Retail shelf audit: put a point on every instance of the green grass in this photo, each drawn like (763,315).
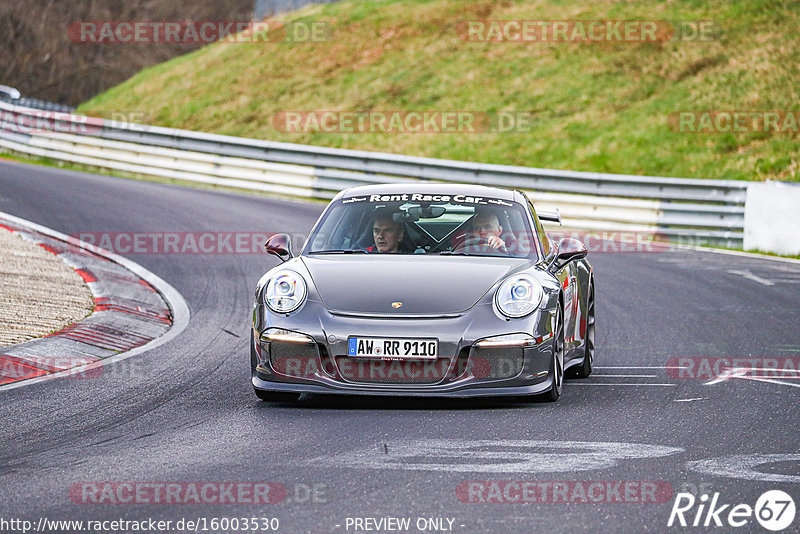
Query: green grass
(597,106)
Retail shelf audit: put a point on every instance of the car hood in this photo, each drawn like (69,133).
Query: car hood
(425,285)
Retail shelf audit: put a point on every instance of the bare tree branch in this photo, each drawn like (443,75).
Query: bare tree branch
(40,60)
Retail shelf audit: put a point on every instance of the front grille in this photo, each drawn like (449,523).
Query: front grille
(373,371)
(496,363)
(297,360)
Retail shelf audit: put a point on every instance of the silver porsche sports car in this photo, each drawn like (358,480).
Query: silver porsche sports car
(424,289)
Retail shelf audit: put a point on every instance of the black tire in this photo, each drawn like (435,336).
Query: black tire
(557,364)
(276,396)
(585,369)
(253,355)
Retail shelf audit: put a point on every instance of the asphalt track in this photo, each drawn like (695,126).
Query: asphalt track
(185,411)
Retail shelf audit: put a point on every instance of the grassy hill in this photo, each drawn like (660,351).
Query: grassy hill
(596,106)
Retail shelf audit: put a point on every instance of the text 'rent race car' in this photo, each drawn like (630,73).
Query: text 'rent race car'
(424,289)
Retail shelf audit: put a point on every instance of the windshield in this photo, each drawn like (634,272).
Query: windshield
(424,224)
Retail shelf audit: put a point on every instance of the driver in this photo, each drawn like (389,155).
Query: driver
(386,233)
(486,226)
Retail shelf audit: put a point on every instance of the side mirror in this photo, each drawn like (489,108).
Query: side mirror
(279,245)
(569,249)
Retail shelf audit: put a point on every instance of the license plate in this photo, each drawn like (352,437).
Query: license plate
(390,347)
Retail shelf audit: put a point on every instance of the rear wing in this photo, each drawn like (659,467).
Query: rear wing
(550,215)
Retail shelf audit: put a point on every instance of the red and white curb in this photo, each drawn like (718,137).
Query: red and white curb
(135,311)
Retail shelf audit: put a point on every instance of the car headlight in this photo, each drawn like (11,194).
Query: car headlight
(518,296)
(508,340)
(285,291)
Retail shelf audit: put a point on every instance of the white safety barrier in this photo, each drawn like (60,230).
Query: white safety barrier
(772,218)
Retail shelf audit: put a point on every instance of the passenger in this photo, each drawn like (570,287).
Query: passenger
(386,233)
(486,226)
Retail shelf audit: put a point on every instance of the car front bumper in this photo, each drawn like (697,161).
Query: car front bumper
(321,365)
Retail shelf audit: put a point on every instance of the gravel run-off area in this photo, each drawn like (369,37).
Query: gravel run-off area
(39,293)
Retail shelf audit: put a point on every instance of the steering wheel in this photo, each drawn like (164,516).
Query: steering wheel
(480,244)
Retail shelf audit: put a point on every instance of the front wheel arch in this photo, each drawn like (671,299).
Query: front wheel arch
(587,365)
(557,362)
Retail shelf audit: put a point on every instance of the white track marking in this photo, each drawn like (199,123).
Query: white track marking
(494,456)
(740,373)
(633,367)
(652,367)
(689,400)
(764,370)
(727,374)
(743,466)
(753,255)
(175,301)
(627,376)
(770,380)
(644,384)
(751,276)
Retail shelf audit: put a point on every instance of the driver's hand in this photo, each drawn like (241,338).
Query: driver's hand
(496,243)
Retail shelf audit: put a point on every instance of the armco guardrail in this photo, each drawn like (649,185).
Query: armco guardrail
(35,103)
(700,211)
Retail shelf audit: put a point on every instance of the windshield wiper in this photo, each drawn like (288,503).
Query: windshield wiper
(340,251)
(473,254)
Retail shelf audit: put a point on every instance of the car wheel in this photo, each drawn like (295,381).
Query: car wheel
(276,396)
(585,369)
(557,366)
(253,355)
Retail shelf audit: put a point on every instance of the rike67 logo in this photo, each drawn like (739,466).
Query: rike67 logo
(774,510)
